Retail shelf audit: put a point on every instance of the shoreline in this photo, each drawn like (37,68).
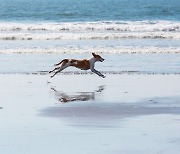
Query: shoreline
(72,73)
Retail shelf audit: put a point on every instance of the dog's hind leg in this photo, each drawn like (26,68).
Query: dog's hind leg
(55,73)
(54,69)
(63,66)
(64,61)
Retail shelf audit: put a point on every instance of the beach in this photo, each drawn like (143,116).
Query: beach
(137,114)
(134,110)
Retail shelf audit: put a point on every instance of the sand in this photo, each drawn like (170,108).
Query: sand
(85,114)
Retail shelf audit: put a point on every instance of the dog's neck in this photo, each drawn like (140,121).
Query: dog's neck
(92,61)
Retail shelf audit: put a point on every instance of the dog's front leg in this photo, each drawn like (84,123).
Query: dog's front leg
(97,72)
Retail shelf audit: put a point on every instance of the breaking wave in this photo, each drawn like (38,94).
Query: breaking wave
(99,49)
(90,30)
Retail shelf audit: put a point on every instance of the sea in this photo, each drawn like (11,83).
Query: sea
(134,36)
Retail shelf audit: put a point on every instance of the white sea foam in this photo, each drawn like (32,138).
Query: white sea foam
(98,49)
(90,30)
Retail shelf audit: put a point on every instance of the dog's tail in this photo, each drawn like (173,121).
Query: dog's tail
(64,60)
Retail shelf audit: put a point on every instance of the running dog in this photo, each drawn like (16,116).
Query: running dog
(84,64)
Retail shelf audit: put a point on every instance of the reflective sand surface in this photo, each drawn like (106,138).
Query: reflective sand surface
(118,114)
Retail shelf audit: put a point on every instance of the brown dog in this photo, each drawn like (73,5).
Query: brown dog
(84,64)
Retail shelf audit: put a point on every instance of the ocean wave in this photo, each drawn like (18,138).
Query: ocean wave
(90,30)
(136,26)
(99,49)
(89,36)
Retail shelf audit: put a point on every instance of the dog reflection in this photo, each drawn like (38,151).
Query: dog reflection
(78,96)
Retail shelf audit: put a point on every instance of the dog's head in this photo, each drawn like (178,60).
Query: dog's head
(98,57)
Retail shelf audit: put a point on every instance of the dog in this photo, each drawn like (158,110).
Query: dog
(84,64)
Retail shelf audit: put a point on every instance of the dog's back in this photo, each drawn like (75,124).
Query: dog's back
(82,64)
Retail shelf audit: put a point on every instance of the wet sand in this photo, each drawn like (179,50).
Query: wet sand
(87,114)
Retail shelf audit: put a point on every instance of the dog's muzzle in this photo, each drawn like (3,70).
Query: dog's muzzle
(101,60)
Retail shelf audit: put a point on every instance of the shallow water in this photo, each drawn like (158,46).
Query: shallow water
(113,64)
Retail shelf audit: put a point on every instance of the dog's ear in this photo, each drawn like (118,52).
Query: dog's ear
(94,54)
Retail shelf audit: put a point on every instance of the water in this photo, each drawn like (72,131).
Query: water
(113,64)
(102,30)
(88,10)
(80,27)
(89,19)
